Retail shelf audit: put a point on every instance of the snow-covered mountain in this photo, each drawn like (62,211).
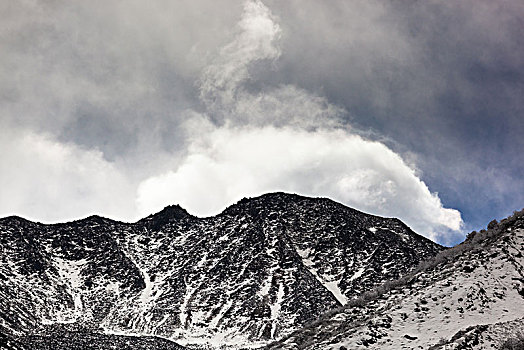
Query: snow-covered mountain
(468,297)
(260,270)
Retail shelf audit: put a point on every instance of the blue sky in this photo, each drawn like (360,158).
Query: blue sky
(405,109)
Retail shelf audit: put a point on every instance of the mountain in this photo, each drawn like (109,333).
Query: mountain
(467,297)
(258,271)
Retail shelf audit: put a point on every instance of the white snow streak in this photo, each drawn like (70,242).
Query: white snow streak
(335,290)
(357,274)
(69,271)
(275,309)
(218,317)
(184,306)
(145,296)
(326,281)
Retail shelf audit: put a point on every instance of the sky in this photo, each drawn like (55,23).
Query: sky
(408,109)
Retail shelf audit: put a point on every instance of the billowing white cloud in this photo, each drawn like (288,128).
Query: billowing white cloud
(114,134)
(284,139)
(50,181)
(229,163)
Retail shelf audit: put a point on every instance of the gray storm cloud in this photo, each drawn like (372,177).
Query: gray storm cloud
(104,104)
(46,180)
(255,40)
(293,142)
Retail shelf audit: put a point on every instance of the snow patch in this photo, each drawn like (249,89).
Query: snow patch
(184,312)
(69,271)
(329,282)
(275,309)
(218,317)
(357,274)
(266,286)
(145,296)
(335,290)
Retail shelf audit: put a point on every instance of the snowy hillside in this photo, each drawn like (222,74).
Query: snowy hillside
(263,268)
(468,297)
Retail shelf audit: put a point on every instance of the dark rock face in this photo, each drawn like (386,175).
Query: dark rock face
(259,270)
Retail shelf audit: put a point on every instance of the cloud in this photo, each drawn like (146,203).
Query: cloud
(113,76)
(141,93)
(284,139)
(254,41)
(442,79)
(50,181)
(229,163)
(223,84)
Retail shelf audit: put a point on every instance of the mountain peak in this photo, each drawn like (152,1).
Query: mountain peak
(170,213)
(278,201)
(175,211)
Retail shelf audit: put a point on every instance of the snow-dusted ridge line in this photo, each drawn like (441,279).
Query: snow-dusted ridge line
(236,278)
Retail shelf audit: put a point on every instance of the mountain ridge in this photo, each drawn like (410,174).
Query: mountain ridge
(177,208)
(258,270)
(468,297)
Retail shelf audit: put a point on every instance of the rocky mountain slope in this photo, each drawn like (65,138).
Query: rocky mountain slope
(468,297)
(263,268)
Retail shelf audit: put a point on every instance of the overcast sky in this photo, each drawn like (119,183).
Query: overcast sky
(411,109)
